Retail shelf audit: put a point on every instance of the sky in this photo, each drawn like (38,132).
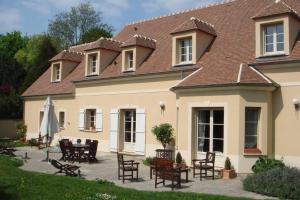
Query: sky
(32,16)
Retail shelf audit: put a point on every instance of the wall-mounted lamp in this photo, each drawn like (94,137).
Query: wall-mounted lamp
(296,103)
(162,105)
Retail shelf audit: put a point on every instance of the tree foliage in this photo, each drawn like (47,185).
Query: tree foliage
(163,133)
(70,27)
(94,34)
(35,56)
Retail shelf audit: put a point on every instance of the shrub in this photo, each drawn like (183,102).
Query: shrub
(163,133)
(280,182)
(178,158)
(148,161)
(21,130)
(227,165)
(264,164)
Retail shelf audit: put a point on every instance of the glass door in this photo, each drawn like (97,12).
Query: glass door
(129,130)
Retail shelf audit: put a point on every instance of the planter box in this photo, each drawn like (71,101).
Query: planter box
(228,174)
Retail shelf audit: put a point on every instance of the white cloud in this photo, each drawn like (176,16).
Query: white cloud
(9,19)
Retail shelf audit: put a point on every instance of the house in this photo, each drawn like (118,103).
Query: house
(226,76)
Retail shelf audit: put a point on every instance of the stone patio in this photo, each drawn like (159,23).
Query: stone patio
(106,169)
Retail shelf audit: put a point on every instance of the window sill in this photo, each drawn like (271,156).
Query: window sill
(271,55)
(252,152)
(183,64)
(90,75)
(57,81)
(128,71)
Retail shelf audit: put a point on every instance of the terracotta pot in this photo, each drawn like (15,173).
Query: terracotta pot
(228,174)
(23,139)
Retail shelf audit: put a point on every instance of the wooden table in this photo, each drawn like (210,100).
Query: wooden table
(186,171)
(80,148)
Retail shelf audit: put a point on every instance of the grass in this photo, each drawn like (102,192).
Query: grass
(19,184)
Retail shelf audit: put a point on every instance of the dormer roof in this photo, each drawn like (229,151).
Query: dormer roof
(68,55)
(278,7)
(139,40)
(195,24)
(104,43)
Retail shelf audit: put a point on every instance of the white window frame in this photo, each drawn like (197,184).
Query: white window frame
(211,134)
(91,119)
(188,48)
(56,72)
(93,63)
(129,61)
(274,35)
(64,120)
(132,131)
(257,126)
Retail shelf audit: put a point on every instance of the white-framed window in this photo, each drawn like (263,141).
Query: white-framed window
(252,115)
(274,39)
(210,130)
(129,126)
(129,60)
(61,119)
(185,50)
(92,64)
(56,76)
(90,115)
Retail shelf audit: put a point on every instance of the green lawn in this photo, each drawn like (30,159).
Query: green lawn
(18,184)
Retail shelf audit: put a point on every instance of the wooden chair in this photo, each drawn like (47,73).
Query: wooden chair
(65,168)
(165,170)
(92,151)
(204,165)
(65,152)
(127,166)
(166,154)
(88,141)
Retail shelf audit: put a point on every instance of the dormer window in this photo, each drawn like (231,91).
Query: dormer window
(92,63)
(186,52)
(274,39)
(56,72)
(129,60)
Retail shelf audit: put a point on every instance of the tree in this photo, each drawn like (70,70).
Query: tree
(94,34)
(35,56)
(69,27)
(163,133)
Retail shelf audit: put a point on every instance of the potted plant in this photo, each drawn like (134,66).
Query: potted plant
(179,161)
(163,133)
(228,171)
(78,141)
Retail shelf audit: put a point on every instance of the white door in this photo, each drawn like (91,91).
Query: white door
(210,131)
(129,127)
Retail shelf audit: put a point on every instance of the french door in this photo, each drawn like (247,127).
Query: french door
(210,130)
(129,130)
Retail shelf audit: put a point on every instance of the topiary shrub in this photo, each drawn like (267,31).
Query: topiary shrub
(148,161)
(163,133)
(278,182)
(264,164)
(227,165)
(178,158)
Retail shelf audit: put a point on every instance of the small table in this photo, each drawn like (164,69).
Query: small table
(186,171)
(80,148)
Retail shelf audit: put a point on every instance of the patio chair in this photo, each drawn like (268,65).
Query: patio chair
(162,154)
(205,165)
(64,150)
(92,151)
(165,170)
(127,166)
(69,170)
(73,155)
(88,141)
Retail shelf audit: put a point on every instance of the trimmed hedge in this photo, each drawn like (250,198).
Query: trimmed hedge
(264,164)
(278,182)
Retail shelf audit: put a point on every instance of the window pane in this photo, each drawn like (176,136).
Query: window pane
(203,116)
(280,38)
(269,30)
(218,116)
(203,145)
(269,39)
(203,130)
(182,44)
(127,136)
(218,145)
(183,50)
(219,131)
(190,57)
(183,58)
(252,114)
(279,28)
(128,126)
(269,48)
(251,128)
(250,142)
(280,46)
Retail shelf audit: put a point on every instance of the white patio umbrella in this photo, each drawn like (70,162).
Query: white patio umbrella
(49,124)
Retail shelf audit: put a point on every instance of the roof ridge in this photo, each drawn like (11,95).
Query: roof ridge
(181,12)
(144,37)
(101,38)
(74,52)
(202,21)
(109,39)
(289,7)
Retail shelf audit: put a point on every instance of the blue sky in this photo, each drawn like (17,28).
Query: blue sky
(32,16)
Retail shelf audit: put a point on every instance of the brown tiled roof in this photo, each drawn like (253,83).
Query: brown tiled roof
(104,43)
(139,40)
(233,45)
(195,24)
(275,8)
(68,55)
